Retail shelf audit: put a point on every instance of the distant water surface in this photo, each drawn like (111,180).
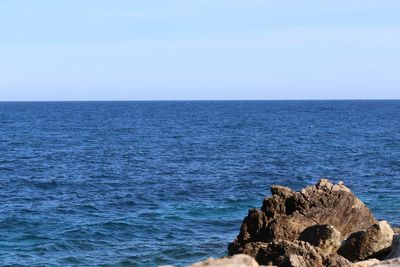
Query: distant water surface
(149,183)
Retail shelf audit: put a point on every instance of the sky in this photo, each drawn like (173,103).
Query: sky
(199,50)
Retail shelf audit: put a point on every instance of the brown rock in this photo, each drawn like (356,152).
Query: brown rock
(373,242)
(283,201)
(254,226)
(336,206)
(256,250)
(291,253)
(286,214)
(335,260)
(324,236)
(287,227)
(323,203)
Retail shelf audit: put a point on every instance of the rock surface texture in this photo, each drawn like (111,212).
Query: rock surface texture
(324,236)
(322,225)
(372,242)
(239,260)
(388,263)
(366,263)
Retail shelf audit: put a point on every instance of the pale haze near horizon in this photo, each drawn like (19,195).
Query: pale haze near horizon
(199,50)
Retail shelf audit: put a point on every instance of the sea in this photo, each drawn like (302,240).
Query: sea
(169,182)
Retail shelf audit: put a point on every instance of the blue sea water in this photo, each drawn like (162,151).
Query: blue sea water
(150,183)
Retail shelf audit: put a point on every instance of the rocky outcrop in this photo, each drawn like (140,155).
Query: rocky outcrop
(307,228)
(286,214)
(239,260)
(322,225)
(323,203)
(372,242)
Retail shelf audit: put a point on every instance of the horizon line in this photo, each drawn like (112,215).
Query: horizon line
(205,100)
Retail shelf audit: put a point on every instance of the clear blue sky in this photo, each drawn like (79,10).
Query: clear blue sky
(204,49)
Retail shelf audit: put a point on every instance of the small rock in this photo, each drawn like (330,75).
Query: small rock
(366,243)
(366,263)
(254,226)
(388,263)
(324,183)
(293,254)
(239,260)
(324,236)
(281,191)
(287,227)
(253,249)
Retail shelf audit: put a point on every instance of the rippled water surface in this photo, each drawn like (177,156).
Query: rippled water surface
(148,183)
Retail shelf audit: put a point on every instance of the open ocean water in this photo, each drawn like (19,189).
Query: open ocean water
(149,183)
